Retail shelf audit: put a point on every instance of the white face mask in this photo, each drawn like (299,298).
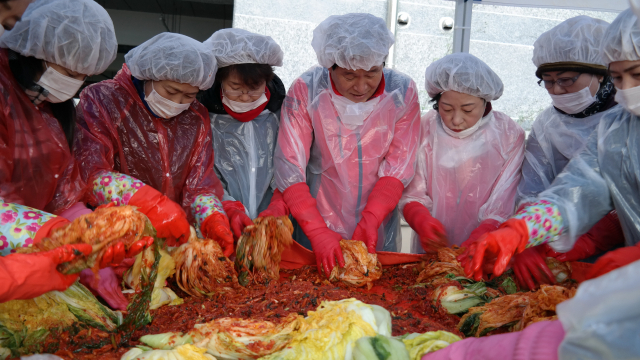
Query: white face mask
(629,99)
(162,107)
(240,107)
(1,30)
(467,132)
(574,103)
(60,87)
(353,114)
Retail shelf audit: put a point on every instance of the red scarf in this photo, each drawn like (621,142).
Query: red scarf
(251,114)
(378,92)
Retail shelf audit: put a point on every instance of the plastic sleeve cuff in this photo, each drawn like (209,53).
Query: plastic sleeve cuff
(19,225)
(205,205)
(543,220)
(114,187)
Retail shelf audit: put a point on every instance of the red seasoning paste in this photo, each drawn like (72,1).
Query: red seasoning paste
(297,291)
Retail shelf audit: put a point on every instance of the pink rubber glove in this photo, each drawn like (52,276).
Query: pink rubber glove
(324,241)
(431,232)
(277,206)
(383,199)
(539,341)
(106,286)
(76,210)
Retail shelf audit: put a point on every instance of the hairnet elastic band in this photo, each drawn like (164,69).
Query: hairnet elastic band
(572,66)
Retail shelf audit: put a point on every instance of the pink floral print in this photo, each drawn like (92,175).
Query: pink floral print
(543,220)
(19,225)
(114,187)
(203,206)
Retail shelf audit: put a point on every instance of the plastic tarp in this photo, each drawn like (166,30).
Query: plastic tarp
(297,256)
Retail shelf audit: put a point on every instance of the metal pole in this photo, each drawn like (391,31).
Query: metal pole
(392,14)
(462,26)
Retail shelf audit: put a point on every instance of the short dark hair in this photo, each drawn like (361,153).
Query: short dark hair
(251,75)
(336,65)
(436,100)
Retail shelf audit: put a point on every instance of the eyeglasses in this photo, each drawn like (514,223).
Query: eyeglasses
(240,93)
(563,82)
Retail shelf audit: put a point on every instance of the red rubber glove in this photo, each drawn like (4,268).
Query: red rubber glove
(485,226)
(238,219)
(383,199)
(26,276)
(166,216)
(216,227)
(277,206)
(530,268)
(431,232)
(604,235)
(510,239)
(324,241)
(613,260)
(115,254)
(47,227)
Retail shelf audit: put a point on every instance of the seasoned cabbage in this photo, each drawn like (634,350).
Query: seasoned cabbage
(182,352)
(331,331)
(380,347)
(420,344)
(161,295)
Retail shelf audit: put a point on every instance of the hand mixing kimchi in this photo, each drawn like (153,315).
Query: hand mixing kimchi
(515,312)
(260,248)
(101,228)
(360,267)
(202,268)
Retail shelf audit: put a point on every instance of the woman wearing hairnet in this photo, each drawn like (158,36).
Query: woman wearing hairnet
(144,140)
(604,176)
(11,12)
(571,69)
(348,139)
(244,105)
(469,160)
(43,62)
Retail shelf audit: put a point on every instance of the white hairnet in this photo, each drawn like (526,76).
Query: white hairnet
(75,34)
(352,41)
(574,40)
(463,73)
(238,46)
(174,57)
(620,39)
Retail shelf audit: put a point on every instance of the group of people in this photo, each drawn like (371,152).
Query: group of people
(205,134)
